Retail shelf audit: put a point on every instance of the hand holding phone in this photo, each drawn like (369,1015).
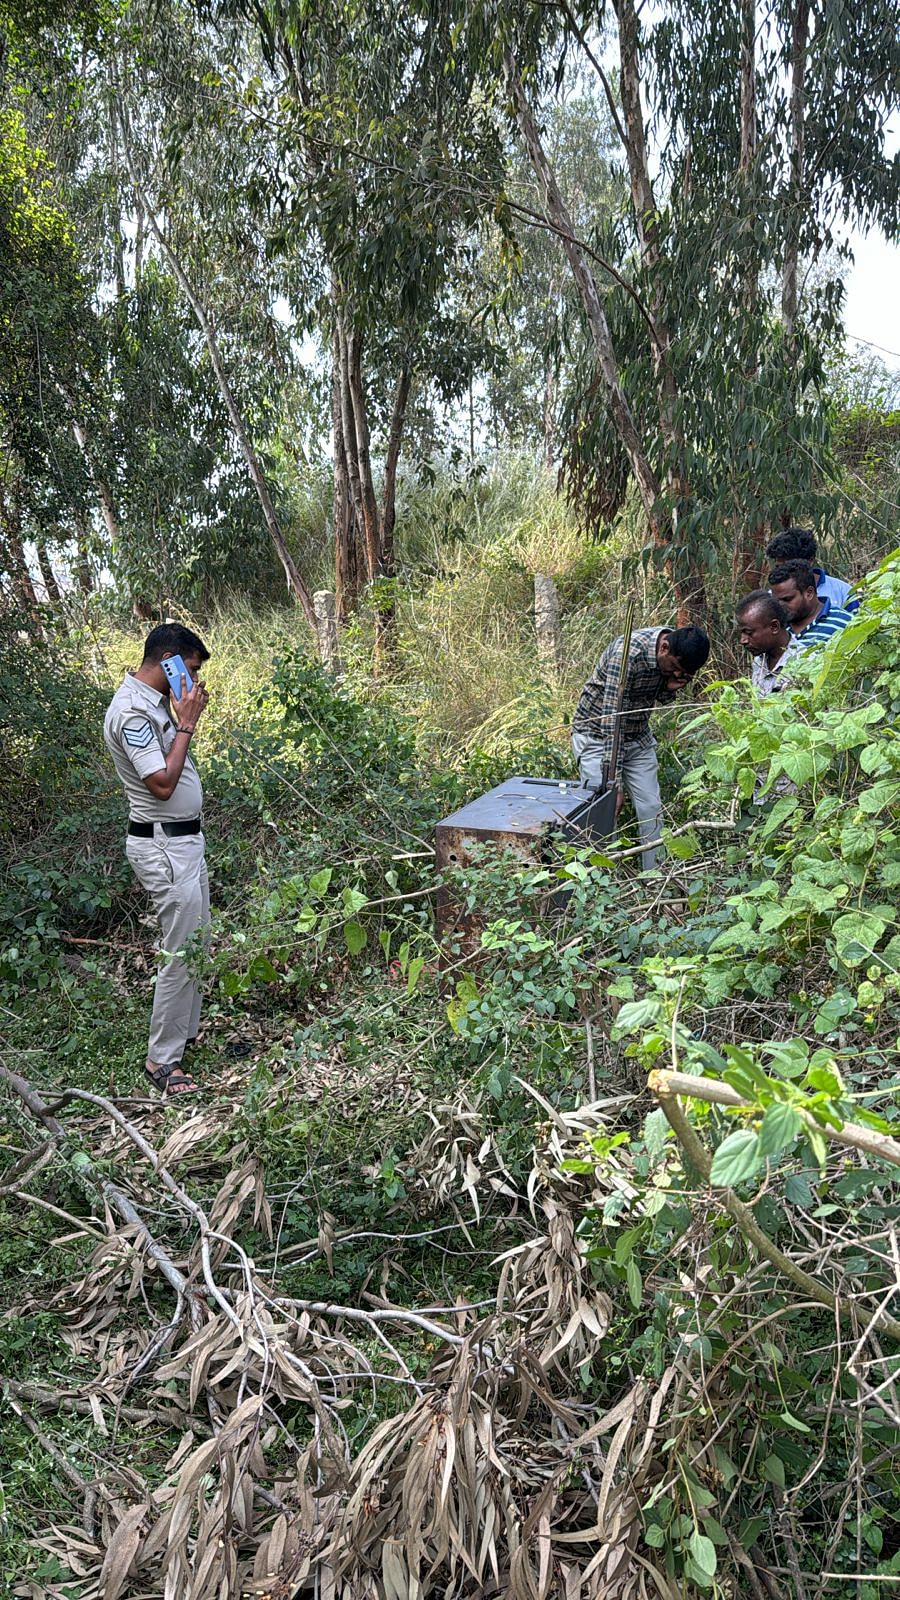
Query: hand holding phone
(189,699)
(175,670)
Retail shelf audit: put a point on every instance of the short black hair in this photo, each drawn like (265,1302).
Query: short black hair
(762,600)
(177,640)
(799,571)
(691,646)
(794,544)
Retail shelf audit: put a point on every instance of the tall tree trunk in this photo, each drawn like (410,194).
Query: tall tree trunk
(348,576)
(689,586)
(296,586)
(15,562)
(391,463)
(83,573)
(139,239)
(48,575)
(370,521)
(799,43)
(645,477)
(748,86)
(104,494)
(348,434)
(548,410)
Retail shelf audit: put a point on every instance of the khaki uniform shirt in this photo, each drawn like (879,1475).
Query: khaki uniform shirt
(139,731)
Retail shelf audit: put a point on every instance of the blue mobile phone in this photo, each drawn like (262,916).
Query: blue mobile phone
(175,669)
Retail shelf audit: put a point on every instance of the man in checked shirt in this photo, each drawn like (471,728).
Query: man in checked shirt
(660,662)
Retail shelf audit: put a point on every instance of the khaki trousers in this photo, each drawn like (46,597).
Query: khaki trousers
(640,777)
(173,872)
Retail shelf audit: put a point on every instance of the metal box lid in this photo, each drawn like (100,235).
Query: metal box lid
(520,806)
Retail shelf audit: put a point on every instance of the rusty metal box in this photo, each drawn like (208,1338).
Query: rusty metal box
(515,816)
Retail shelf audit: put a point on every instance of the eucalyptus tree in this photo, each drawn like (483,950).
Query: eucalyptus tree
(47,351)
(386,146)
(534,296)
(188,159)
(749,141)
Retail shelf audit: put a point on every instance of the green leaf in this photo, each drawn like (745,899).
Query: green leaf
(781,810)
(737,1158)
(684,847)
(772,1471)
(779,1128)
(798,1191)
(638,1014)
(655,1536)
(794,1422)
(413,973)
(703,1553)
(625,1244)
(318,883)
(879,797)
(656,1131)
(355,937)
(635,1283)
(353,901)
(261,970)
(856,934)
(826,1079)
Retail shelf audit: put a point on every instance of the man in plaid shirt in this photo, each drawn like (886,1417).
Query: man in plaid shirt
(660,662)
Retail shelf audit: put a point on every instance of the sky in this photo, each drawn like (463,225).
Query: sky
(872,306)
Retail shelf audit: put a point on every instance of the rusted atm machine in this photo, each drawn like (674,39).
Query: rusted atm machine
(516,815)
(519,812)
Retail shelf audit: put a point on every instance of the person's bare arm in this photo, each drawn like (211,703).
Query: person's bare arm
(188,711)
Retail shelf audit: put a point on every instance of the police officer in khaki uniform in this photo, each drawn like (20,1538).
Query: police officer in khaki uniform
(149,738)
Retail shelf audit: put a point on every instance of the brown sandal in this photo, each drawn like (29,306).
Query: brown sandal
(172,1080)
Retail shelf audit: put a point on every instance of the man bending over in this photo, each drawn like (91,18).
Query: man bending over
(764,632)
(660,662)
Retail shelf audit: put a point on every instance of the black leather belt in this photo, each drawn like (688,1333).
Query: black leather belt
(175,830)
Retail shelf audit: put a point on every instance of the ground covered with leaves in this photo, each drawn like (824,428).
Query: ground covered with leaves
(559,1261)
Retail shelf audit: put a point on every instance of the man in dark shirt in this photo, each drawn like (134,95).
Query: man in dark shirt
(660,662)
(798,544)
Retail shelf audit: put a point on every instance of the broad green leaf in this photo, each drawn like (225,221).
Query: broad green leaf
(318,883)
(413,973)
(655,1536)
(656,1131)
(737,1158)
(772,1471)
(355,937)
(353,901)
(703,1553)
(684,846)
(779,1128)
(261,970)
(635,1283)
(781,810)
(856,934)
(638,1014)
(879,797)
(826,1079)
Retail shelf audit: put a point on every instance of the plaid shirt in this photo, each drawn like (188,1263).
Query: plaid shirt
(645,687)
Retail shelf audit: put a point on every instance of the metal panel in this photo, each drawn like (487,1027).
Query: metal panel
(515,816)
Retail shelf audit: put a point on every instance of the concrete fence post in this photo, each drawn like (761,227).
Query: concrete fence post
(546,624)
(327,630)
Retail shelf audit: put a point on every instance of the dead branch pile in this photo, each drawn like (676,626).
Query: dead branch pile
(485,1472)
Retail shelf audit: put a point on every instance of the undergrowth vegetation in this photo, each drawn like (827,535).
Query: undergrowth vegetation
(557,1258)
